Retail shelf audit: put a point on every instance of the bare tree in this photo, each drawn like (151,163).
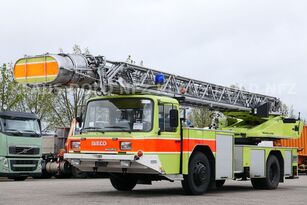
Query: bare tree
(70,102)
(287,111)
(201,117)
(10,91)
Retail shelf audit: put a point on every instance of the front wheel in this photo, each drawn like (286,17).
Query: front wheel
(123,182)
(198,179)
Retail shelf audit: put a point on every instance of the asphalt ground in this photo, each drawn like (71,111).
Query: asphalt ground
(100,191)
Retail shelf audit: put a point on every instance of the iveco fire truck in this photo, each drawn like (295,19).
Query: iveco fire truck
(134,130)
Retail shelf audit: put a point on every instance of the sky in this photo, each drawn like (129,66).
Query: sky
(260,45)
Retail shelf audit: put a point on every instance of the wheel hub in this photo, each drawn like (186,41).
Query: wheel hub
(273,173)
(200,173)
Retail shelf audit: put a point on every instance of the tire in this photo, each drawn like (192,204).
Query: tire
(219,183)
(198,179)
(258,183)
(123,182)
(18,178)
(273,175)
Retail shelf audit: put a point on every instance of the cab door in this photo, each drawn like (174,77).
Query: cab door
(168,139)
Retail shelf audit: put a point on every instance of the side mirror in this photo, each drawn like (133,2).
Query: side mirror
(79,120)
(174,117)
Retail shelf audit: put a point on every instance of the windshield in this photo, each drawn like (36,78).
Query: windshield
(21,126)
(119,114)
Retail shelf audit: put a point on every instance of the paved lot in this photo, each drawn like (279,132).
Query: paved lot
(100,191)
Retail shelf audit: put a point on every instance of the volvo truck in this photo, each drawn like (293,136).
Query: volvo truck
(20,145)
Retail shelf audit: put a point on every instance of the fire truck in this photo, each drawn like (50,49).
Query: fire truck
(136,130)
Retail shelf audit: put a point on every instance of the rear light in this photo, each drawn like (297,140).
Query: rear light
(138,155)
(125,145)
(75,145)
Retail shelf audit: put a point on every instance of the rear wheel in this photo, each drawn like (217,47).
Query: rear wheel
(272,178)
(123,182)
(258,183)
(198,179)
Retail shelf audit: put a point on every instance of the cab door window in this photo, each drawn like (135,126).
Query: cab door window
(164,118)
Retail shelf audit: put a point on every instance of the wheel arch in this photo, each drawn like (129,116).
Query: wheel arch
(205,149)
(280,158)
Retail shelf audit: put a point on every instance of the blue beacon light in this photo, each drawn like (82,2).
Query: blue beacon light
(159,79)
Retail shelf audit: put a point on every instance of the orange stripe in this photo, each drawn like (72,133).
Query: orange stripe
(38,69)
(146,145)
(190,144)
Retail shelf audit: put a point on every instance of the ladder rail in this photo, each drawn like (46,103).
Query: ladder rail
(196,91)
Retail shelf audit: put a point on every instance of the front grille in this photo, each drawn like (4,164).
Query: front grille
(24,150)
(23,165)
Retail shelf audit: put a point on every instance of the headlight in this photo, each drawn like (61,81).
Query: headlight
(5,163)
(75,144)
(125,145)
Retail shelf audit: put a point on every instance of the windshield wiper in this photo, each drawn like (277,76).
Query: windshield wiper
(94,129)
(120,127)
(31,132)
(13,131)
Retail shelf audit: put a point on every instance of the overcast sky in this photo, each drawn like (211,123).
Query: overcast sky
(260,44)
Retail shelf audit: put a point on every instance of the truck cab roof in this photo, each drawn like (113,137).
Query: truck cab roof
(14,114)
(153,97)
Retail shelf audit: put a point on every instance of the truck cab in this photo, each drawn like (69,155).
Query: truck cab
(125,127)
(20,145)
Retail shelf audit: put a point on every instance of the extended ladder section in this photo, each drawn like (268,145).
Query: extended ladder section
(111,77)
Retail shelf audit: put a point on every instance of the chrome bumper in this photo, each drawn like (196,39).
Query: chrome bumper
(147,164)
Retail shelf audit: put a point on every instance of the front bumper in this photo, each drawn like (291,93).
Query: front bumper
(14,167)
(147,164)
